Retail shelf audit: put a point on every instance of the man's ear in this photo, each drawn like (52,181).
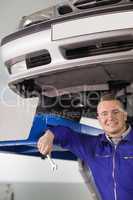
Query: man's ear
(125,115)
(98,118)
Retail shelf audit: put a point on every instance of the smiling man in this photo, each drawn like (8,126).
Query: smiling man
(112,117)
(109,156)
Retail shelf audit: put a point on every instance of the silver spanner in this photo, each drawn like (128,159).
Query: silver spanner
(52,163)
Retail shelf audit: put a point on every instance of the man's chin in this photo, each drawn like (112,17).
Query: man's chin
(112,133)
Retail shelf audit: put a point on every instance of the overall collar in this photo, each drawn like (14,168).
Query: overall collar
(126,136)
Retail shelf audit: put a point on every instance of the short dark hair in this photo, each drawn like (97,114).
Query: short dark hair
(111,97)
(108,97)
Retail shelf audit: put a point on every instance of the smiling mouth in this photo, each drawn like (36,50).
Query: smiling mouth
(112,125)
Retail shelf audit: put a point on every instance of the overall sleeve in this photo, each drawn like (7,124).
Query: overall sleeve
(77,143)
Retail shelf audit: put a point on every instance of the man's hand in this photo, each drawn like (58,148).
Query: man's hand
(45,143)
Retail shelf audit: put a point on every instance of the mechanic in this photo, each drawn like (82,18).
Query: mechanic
(109,156)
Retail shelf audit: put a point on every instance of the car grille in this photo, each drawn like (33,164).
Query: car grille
(64,9)
(98,49)
(38,58)
(85,4)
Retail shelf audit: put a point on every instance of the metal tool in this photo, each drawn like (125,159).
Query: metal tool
(52,163)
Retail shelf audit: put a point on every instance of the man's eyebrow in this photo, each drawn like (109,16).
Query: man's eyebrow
(115,109)
(122,109)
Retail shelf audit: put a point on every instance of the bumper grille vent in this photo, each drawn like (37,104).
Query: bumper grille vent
(65,9)
(98,49)
(85,4)
(38,58)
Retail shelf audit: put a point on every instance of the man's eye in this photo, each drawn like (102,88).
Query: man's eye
(115,112)
(104,114)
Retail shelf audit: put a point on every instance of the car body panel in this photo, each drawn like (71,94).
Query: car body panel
(97,47)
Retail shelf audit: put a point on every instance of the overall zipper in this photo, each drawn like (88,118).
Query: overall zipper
(113,172)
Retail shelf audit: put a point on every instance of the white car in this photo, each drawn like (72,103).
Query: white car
(72,53)
(74,46)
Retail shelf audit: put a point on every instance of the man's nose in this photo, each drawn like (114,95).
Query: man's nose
(110,115)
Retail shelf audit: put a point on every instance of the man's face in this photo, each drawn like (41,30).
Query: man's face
(112,117)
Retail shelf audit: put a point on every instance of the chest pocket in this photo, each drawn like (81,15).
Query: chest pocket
(126,164)
(126,170)
(103,161)
(102,155)
(126,161)
(127,157)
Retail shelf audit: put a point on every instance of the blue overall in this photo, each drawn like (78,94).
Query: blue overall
(111,167)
